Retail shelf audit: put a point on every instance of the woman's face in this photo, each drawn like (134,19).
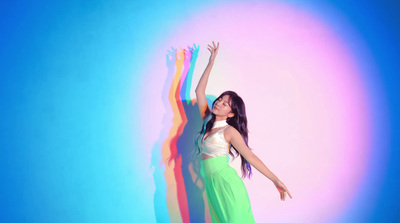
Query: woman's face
(222,107)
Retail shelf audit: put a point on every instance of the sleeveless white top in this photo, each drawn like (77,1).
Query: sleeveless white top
(215,144)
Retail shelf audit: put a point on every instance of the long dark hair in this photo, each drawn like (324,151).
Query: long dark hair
(238,121)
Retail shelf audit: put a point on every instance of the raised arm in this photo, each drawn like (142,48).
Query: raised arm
(234,137)
(201,86)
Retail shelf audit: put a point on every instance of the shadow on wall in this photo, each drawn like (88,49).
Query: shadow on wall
(179,190)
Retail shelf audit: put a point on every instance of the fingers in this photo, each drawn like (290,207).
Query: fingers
(171,52)
(287,191)
(289,195)
(214,47)
(282,192)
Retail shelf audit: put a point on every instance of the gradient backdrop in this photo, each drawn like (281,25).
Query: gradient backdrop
(99,112)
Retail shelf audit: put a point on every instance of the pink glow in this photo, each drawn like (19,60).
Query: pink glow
(309,118)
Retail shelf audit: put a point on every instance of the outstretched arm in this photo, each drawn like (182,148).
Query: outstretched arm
(237,141)
(201,86)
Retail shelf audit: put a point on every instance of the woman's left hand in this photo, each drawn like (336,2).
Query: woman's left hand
(282,189)
(213,50)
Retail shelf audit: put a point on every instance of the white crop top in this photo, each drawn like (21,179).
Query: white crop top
(215,144)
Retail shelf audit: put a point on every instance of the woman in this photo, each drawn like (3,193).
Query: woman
(225,127)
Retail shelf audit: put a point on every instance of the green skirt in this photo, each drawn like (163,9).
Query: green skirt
(227,196)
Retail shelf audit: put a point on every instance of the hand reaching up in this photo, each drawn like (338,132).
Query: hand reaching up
(171,57)
(214,50)
(195,52)
(180,56)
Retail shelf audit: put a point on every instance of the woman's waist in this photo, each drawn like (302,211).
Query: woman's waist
(214,164)
(215,150)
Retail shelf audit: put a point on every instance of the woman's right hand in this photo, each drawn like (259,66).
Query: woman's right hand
(214,50)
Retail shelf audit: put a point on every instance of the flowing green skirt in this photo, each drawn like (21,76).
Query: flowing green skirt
(227,196)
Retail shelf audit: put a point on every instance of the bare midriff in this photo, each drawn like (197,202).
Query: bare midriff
(205,156)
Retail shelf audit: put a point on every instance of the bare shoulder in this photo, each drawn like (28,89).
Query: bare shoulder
(230,132)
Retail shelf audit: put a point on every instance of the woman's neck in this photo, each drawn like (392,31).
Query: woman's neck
(219,123)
